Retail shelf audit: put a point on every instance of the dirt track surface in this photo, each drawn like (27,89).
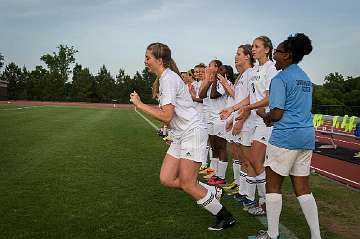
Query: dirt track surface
(77,104)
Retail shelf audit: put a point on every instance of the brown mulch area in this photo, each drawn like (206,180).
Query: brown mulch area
(77,104)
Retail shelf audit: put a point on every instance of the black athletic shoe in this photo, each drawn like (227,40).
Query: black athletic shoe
(224,219)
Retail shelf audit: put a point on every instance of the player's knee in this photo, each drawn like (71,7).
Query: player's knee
(166,181)
(272,188)
(301,190)
(186,185)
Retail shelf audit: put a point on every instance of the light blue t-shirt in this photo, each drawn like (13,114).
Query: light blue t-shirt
(291,91)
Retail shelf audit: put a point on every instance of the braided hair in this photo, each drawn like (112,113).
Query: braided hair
(267,44)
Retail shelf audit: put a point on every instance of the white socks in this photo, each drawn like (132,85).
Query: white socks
(210,203)
(273,210)
(209,151)
(309,208)
(210,188)
(214,163)
(236,171)
(261,181)
(242,185)
(221,170)
(251,187)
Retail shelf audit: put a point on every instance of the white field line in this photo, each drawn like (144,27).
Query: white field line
(339,140)
(334,175)
(21,108)
(285,232)
(147,120)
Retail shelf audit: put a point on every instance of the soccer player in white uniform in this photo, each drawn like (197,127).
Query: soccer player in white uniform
(293,137)
(199,74)
(213,93)
(185,154)
(226,79)
(259,85)
(259,98)
(241,129)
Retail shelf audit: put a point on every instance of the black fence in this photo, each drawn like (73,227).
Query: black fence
(340,110)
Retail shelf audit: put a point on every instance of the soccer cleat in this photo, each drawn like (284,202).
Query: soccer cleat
(224,219)
(206,171)
(247,204)
(264,235)
(230,186)
(168,139)
(233,192)
(219,193)
(257,211)
(239,197)
(203,167)
(216,181)
(210,175)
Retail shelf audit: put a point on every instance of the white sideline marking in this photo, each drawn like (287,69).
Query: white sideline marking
(337,176)
(147,120)
(21,108)
(285,232)
(343,141)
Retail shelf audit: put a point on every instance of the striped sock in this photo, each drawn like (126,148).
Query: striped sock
(210,203)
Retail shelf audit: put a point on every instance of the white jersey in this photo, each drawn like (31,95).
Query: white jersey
(230,101)
(215,106)
(242,91)
(172,90)
(198,106)
(259,84)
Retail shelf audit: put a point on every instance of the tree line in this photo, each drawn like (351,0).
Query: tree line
(337,96)
(53,83)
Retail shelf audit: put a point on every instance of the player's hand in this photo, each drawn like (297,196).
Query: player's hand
(228,125)
(135,98)
(223,80)
(225,113)
(261,112)
(243,113)
(237,127)
(192,92)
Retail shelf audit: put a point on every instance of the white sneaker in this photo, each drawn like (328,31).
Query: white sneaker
(257,211)
(264,235)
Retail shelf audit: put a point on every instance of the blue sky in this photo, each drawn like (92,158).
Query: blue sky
(116,33)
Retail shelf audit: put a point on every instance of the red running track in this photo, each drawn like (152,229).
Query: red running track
(339,170)
(342,171)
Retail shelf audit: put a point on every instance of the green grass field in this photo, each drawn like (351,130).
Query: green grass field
(68,172)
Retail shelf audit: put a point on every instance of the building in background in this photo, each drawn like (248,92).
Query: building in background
(3,90)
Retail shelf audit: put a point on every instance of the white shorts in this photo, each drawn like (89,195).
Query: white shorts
(261,134)
(217,128)
(243,138)
(287,162)
(192,146)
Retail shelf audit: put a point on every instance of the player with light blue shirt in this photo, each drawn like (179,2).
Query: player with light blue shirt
(292,93)
(290,146)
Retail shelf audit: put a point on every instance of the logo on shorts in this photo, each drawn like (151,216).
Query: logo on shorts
(188,154)
(263,138)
